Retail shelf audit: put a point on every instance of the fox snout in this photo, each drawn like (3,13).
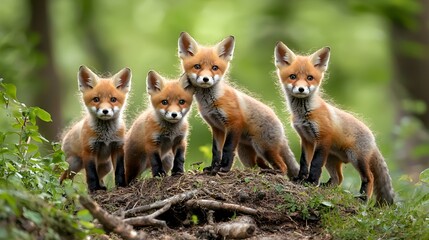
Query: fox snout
(300,91)
(104,113)
(204,81)
(172,116)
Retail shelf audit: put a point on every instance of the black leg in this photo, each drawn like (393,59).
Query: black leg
(156,163)
(120,171)
(316,166)
(362,168)
(179,160)
(216,157)
(303,167)
(228,153)
(92,177)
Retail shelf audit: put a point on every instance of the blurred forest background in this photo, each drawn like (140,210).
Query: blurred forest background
(379,64)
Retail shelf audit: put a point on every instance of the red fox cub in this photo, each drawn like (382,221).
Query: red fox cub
(96,142)
(329,136)
(158,137)
(236,119)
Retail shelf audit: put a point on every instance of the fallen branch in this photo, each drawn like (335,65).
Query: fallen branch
(149,220)
(111,223)
(216,205)
(159,204)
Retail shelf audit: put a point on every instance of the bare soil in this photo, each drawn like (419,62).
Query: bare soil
(267,193)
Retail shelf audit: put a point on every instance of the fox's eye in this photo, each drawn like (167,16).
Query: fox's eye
(181,101)
(197,66)
(215,67)
(292,76)
(309,77)
(113,99)
(96,99)
(164,102)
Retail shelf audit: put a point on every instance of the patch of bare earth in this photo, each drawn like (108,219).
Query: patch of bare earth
(242,204)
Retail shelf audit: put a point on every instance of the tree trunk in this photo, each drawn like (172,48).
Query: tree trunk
(410,49)
(47,81)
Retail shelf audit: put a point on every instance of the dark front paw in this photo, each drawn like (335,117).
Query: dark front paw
(299,179)
(329,183)
(120,181)
(311,181)
(159,173)
(225,169)
(362,197)
(177,173)
(97,188)
(211,170)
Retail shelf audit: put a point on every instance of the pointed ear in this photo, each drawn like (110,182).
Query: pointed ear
(122,80)
(86,78)
(154,82)
(320,58)
(283,55)
(185,82)
(225,48)
(187,45)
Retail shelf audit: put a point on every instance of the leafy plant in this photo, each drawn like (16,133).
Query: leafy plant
(31,198)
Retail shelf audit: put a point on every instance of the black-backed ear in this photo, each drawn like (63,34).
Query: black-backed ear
(320,59)
(122,80)
(283,55)
(86,78)
(225,48)
(154,82)
(187,45)
(185,82)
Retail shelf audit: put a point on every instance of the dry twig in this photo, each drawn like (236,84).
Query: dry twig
(160,204)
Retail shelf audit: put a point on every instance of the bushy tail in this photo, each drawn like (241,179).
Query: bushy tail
(289,159)
(383,188)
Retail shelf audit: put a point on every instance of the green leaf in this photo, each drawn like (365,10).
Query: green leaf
(11,201)
(32,148)
(10,167)
(43,115)
(424,176)
(33,216)
(10,89)
(84,215)
(87,225)
(327,204)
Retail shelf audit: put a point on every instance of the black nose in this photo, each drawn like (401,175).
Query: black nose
(105,111)
(301,89)
(205,79)
(174,115)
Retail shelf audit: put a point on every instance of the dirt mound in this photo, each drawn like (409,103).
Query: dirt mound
(194,206)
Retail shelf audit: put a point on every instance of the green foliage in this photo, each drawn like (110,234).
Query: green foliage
(31,199)
(407,219)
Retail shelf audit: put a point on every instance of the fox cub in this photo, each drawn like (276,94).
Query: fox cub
(96,142)
(158,137)
(329,136)
(236,119)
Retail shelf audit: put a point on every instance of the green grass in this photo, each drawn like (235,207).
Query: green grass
(348,218)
